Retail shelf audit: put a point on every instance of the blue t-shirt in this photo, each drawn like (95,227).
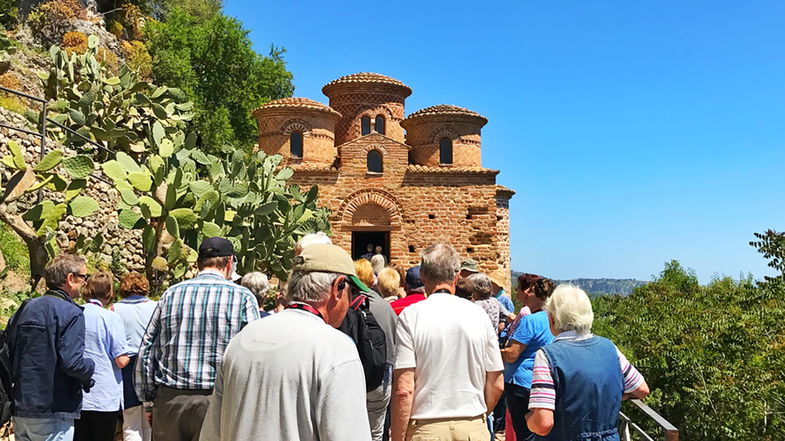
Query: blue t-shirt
(104,341)
(506,302)
(534,332)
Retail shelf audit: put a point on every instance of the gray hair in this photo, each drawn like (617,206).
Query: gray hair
(377,261)
(440,263)
(56,273)
(570,308)
(257,282)
(311,239)
(481,286)
(311,287)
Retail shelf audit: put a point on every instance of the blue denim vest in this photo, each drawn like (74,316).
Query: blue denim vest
(589,387)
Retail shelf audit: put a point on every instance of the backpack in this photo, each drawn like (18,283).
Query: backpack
(369,337)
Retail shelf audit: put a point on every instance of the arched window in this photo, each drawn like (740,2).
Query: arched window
(365,125)
(378,125)
(374,162)
(296,144)
(445,151)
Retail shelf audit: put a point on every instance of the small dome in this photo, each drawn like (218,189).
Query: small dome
(365,78)
(295,104)
(446,109)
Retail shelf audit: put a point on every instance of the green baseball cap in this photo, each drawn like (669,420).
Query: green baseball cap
(328,258)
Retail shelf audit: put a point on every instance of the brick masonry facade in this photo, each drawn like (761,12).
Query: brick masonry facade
(415,201)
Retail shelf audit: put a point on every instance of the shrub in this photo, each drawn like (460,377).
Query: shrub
(49,21)
(108,59)
(75,42)
(137,58)
(14,250)
(115,28)
(9,13)
(132,19)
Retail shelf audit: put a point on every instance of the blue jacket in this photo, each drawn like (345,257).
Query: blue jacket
(46,342)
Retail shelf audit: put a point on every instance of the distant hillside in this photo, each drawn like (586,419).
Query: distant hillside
(598,287)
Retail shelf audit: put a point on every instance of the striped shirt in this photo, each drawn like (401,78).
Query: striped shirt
(190,328)
(543,392)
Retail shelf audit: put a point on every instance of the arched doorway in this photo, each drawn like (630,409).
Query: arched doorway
(370,216)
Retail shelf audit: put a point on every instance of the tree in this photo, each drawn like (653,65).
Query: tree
(214,63)
(712,354)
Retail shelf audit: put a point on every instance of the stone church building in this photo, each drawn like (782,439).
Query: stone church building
(402,182)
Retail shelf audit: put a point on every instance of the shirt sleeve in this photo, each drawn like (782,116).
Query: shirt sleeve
(493,356)
(117,341)
(632,378)
(250,310)
(404,344)
(147,363)
(543,392)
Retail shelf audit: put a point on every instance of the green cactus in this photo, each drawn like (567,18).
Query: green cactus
(66,177)
(122,113)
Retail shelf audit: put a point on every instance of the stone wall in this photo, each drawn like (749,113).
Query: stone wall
(103,222)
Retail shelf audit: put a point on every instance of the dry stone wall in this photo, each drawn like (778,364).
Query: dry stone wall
(104,221)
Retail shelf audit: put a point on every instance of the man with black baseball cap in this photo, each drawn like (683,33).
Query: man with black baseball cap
(186,339)
(293,376)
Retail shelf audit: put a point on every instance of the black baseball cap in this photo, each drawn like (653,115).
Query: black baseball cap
(215,247)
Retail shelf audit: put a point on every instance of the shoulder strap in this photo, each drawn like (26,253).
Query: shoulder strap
(358,301)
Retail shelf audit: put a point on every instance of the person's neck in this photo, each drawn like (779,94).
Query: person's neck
(321,307)
(211,269)
(68,292)
(537,306)
(443,287)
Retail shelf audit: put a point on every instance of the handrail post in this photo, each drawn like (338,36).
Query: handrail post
(42,129)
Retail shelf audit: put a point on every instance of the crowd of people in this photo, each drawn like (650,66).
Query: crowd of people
(350,350)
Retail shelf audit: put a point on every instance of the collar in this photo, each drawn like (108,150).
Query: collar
(209,272)
(134,299)
(59,293)
(95,302)
(300,306)
(441,291)
(573,335)
(500,293)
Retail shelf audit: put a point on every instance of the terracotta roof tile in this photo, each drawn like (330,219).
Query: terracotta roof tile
(365,78)
(504,190)
(308,167)
(426,169)
(296,103)
(446,109)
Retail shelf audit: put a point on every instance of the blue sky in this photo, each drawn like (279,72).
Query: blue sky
(633,132)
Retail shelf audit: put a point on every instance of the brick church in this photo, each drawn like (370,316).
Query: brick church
(402,182)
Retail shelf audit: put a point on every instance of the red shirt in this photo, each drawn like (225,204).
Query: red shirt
(401,304)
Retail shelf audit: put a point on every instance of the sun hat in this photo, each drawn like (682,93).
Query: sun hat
(470,265)
(501,278)
(330,259)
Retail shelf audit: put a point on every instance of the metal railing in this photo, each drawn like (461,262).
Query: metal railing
(627,427)
(43,120)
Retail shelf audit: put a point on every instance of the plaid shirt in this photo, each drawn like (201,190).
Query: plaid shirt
(189,331)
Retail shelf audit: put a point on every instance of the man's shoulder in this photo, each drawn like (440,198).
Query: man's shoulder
(204,282)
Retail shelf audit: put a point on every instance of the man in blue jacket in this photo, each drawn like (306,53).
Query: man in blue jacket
(46,341)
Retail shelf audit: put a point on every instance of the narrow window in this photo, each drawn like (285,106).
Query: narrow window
(379,124)
(445,151)
(365,125)
(296,144)
(374,162)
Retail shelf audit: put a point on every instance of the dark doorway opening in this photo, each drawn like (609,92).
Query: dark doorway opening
(361,239)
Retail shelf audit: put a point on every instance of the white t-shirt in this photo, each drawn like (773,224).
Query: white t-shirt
(289,376)
(451,345)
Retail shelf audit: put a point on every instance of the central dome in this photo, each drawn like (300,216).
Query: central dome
(366,78)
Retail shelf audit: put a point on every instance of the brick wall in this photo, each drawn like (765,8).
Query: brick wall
(318,130)
(417,207)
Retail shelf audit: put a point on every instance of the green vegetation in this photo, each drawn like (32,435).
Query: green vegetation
(213,61)
(713,355)
(14,251)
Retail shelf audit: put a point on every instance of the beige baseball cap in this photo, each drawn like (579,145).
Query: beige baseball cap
(330,259)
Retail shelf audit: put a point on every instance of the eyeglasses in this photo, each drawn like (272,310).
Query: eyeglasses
(82,276)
